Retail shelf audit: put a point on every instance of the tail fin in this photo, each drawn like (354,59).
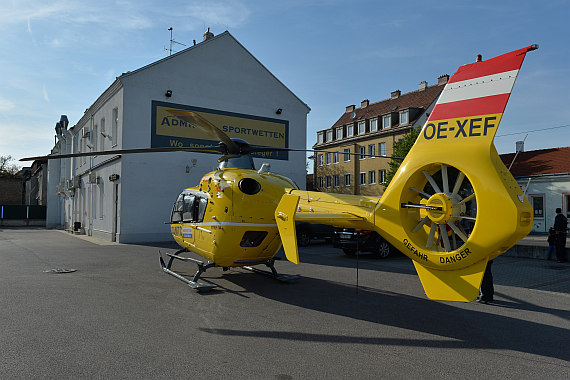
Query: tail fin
(453,204)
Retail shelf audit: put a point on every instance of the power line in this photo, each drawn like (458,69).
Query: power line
(536,130)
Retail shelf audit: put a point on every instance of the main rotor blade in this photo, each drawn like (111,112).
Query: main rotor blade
(198,121)
(259,148)
(214,149)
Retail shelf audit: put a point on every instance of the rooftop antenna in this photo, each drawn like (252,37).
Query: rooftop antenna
(172,41)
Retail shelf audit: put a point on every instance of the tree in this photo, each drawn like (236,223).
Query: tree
(401,149)
(6,168)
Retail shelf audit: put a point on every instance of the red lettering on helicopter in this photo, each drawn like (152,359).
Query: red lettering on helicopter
(467,127)
(413,250)
(455,258)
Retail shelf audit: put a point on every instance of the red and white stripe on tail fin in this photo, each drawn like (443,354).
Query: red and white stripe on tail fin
(474,99)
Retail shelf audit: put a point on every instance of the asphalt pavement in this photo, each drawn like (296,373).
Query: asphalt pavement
(119,316)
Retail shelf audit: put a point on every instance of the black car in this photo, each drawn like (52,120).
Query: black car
(307,231)
(351,240)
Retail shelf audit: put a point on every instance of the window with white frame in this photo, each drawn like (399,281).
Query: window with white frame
(346,154)
(404,117)
(339,133)
(349,130)
(335,157)
(335,180)
(372,177)
(382,149)
(538,205)
(386,122)
(115,127)
(372,150)
(373,125)
(382,176)
(328,181)
(327,158)
(362,152)
(320,138)
(362,178)
(320,159)
(361,127)
(329,135)
(346,179)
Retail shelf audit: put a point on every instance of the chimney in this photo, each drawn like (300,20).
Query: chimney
(422,86)
(364,103)
(442,79)
(208,35)
(350,108)
(395,94)
(519,146)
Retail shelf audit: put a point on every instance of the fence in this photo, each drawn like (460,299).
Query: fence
(22,215)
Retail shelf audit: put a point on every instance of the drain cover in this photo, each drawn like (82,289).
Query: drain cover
(60,270)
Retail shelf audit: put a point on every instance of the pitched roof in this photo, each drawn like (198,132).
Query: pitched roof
(539,162)
(414,99)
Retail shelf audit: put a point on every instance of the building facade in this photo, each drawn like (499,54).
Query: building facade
(127,198)
(370,129)
(545,174)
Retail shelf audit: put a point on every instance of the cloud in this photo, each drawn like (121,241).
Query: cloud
(45,93)
(5,104)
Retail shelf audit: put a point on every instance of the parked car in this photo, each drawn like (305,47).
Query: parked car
(307,231)
(351,240)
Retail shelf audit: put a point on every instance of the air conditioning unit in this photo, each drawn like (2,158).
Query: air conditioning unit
(93,178)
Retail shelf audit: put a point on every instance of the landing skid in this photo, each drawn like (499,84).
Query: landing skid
(273,274)
(194,284)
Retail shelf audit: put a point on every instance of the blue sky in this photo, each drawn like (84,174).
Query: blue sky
(58,56)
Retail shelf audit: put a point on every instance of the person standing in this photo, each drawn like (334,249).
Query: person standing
(551,243)
(560,227)
(487,290)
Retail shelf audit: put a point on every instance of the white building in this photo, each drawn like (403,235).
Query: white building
(127,198)
(549,188)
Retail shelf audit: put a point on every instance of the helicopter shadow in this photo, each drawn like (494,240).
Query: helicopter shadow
(453,326)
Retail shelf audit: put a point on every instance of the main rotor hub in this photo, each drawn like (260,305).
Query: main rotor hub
(440,208)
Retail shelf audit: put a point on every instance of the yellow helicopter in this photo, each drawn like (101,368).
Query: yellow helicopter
(451,207)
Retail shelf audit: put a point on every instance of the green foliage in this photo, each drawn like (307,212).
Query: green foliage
(401,149)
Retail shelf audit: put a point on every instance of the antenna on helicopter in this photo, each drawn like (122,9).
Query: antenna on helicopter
(172,41)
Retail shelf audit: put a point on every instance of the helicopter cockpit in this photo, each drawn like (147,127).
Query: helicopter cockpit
(189,207)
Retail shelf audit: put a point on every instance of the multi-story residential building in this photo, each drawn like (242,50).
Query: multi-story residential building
(370,129)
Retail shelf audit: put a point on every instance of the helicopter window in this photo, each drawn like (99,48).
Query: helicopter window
(177,210)
(202,203)
(252,238)
(188,207)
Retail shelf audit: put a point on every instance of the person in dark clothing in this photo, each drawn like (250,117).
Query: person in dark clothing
(560,227)
(487,290)
(551,242)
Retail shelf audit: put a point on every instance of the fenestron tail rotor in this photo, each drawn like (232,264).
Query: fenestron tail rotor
(440,217)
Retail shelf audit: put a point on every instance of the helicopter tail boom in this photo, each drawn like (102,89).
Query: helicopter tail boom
(452,205)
